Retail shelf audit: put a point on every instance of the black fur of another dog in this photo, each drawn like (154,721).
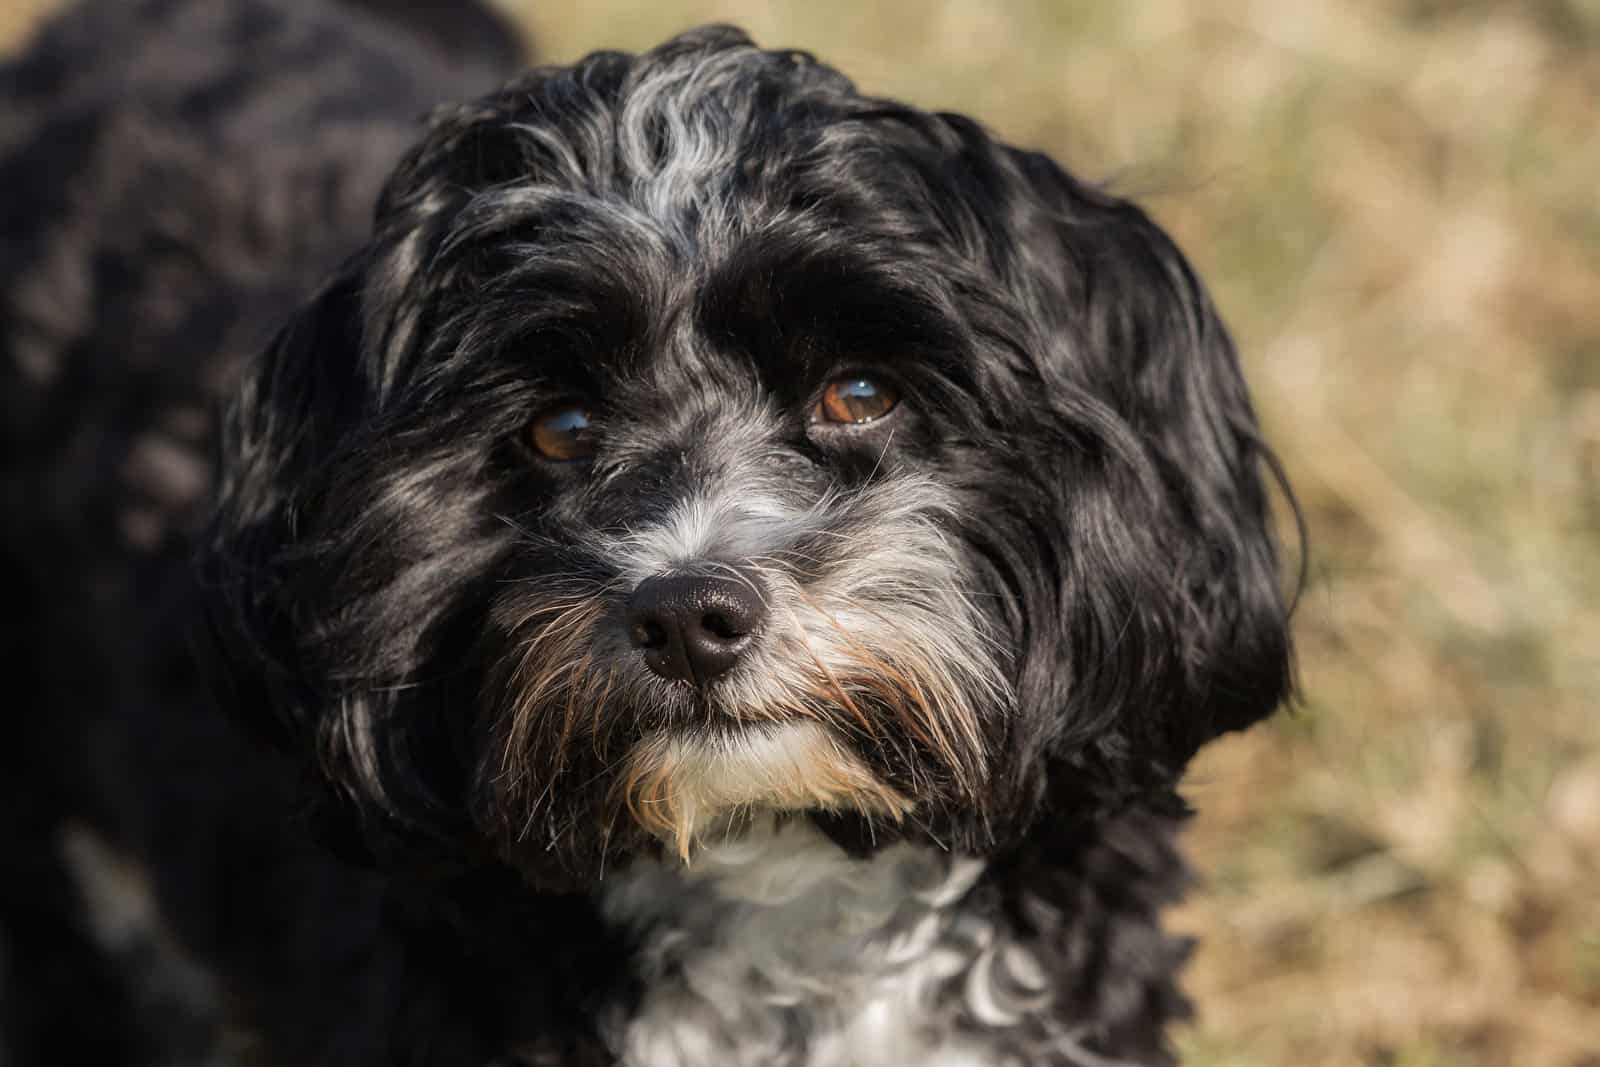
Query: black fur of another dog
(361,784)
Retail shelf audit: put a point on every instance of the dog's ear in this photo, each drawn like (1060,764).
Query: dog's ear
(308,634)
(288,408)
(351,533)
(1168,595)
(302,643)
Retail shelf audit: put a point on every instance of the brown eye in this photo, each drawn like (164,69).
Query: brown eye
(855,400)
(562,435)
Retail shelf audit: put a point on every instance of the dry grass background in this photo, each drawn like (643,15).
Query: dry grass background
(1398,207)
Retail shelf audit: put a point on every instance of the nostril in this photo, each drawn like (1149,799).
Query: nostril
(648,633)
(719,625)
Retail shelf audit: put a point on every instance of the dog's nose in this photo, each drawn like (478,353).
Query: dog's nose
(694,628)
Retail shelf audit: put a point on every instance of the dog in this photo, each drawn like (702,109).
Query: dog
(717,568)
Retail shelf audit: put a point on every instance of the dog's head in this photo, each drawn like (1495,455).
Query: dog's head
(696,438)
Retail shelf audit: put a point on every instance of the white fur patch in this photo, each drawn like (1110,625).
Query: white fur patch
(778,949)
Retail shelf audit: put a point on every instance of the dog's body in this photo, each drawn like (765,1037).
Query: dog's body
(733,569)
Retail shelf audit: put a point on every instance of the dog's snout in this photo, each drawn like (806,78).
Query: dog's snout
(694,628)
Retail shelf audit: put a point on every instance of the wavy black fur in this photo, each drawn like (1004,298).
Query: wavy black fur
(181,174)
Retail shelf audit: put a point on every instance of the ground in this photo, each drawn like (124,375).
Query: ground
(1396,205)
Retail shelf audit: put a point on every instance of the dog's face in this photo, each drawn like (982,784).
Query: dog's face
(697,438)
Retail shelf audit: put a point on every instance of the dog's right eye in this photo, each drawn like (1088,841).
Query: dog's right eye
(855,400)
(561,434)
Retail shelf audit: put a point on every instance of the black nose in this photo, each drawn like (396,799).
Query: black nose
(694,628)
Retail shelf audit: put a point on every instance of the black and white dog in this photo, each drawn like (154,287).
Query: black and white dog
(718,570)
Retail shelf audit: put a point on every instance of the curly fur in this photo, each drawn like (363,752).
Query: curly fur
(448,816)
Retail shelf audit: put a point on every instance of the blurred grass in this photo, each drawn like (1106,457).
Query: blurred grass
(1398,207)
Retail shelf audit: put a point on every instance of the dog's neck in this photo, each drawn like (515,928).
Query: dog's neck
(777,948)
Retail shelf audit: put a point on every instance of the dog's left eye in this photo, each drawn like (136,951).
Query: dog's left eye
(561,434)
(855,400)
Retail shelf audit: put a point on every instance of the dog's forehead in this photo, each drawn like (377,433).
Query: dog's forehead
(750,198)
(761,302)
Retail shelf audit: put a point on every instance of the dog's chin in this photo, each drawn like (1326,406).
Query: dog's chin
(687,788)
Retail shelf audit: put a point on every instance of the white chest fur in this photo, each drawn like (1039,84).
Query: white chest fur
(779,950)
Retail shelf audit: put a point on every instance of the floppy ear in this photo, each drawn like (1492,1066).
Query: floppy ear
(353,537)
(329,573)
(288,408)
(1169,595)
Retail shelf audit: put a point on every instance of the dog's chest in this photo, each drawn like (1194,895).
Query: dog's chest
(779,951)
